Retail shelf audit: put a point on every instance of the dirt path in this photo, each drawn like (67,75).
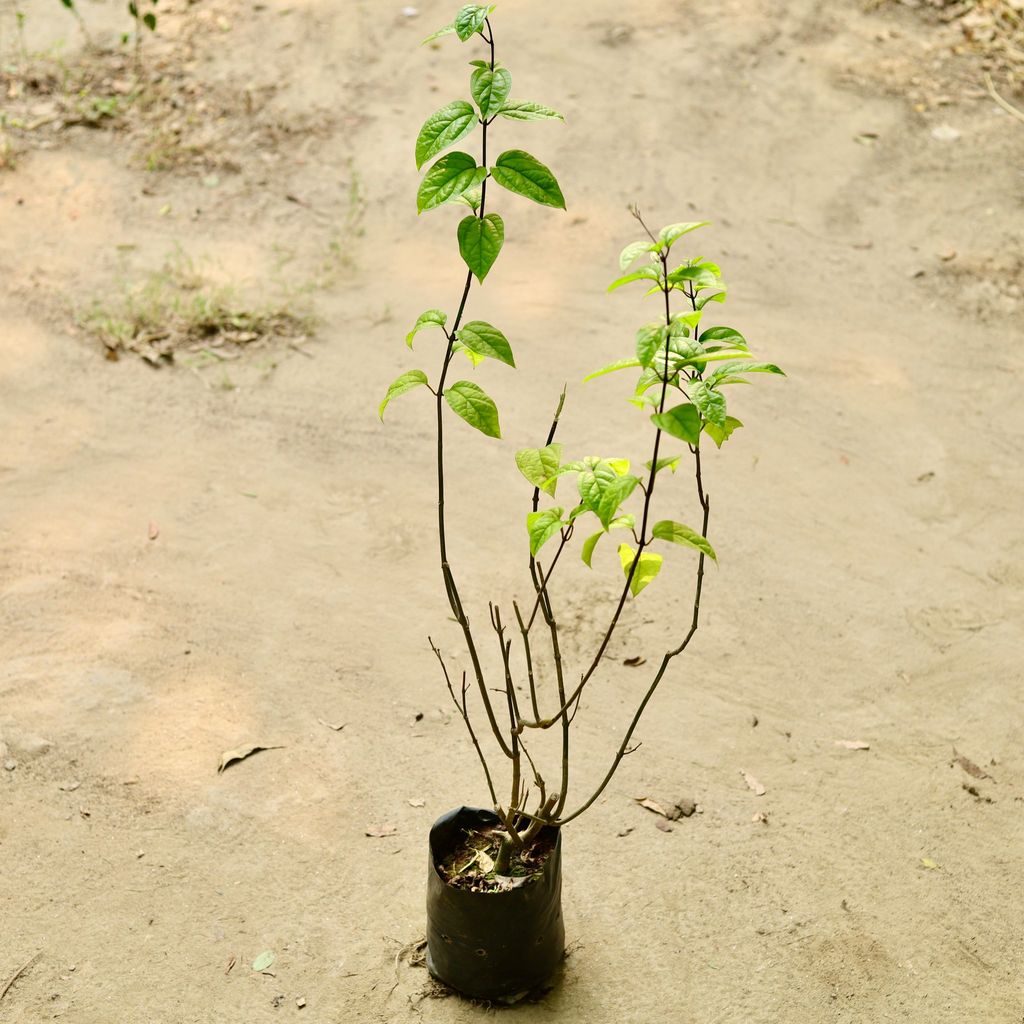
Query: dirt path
(194,560)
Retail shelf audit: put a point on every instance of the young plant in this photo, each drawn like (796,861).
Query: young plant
(147,20)
(71,6)
(684,369)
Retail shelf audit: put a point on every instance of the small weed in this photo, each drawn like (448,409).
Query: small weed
(177,310)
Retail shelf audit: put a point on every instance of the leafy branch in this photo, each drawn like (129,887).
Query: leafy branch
(683,373)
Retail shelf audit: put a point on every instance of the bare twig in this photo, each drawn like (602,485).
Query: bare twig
(462,709)
(1005,104)
(18,973)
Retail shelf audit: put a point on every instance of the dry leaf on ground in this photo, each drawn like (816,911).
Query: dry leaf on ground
(336,728)
(853,744)
(929,863)
(634,661)
(651,805)
(969,766)
(416,803)
(229,757)
(381,831)
(756,786)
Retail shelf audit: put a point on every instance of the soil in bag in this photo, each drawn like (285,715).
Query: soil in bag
(492,937)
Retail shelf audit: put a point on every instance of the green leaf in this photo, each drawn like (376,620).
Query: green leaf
(710,402)
(714,297)
(480,241)
(539,466)
(452,175)
(649,339)
(399,386)
(472,198)
(681,320)
(485,340)
(443,129)
(525,175)
(621,466)
(475,406)
(446,31)
(603,488)
(683,535)
(622,523)
(470,20)
(648,566)
(542,526)
(643,274)
(682,422)
(490,89)
(728,336)
(622,364)
(699,277)
(588,548)
(673,232)
(149,20)
(612,498)
(667,462)
(648,379)
(524,110)
(432,318)
(729,369)
(722,434)
(472,356)
(633,252)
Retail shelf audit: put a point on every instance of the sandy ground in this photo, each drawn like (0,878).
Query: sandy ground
(869,519)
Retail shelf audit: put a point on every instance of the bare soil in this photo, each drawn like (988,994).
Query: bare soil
(230,552)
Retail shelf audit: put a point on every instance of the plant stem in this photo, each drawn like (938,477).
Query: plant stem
(451,589)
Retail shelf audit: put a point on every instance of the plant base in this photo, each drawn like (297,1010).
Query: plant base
(492,945)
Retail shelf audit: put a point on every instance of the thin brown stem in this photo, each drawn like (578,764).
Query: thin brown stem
(463,711)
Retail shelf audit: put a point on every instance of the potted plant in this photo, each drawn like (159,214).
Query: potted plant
(494,886)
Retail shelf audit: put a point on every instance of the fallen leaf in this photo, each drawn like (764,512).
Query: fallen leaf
(969,766)
(231,963)
(381,831)
(622,833)
(853,744)
(264,960)
(634,661)
(485,862)
(756,786)
(663,825)
(929,863)
(70,787)
(416,803)
(229,757)
(154,531)
(945,133)
(336,728)
(651,805)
